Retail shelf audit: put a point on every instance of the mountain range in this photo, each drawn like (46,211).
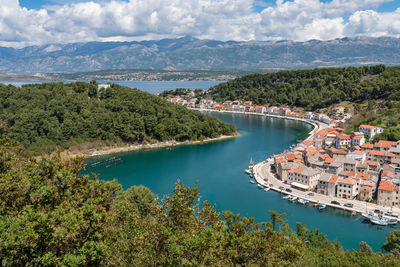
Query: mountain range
(192,53)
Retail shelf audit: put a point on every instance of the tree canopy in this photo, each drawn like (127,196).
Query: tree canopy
(52,216)
(313,89)
(43,116)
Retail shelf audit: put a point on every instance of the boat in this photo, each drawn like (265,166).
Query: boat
(367,216)
(322,206)
(251,175)
(316,204)
(302,201)
(252,181)
(251,164)
(266,189)
(293,199)
(286,197)
(379,221)
(260,186)
(392,221)
(247,171)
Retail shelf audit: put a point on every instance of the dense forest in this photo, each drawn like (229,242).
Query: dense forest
(50,215)
(43,116)
(313,89)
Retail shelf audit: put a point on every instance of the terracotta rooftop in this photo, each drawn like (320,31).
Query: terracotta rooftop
(348,181)
(333,179)
(380,153)
(363,176)
(385,144)
(369,127)
(385,185)
(388,174)
(367,146)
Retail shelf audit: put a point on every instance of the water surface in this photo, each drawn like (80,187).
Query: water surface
(218,167)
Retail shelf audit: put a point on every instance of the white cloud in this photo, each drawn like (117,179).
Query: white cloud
(215,19)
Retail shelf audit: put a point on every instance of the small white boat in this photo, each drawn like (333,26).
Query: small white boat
(392,221)
(266,189)
(260,186)
(286,197)
(316,204)
(379,221)
(322,206)
(367,216)
(247,171)
(252,181)
(293,199)
(302,201)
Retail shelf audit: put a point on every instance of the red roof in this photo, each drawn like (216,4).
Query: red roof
(363,176)
(367,146)
(349,181)
(385,144)
(350,174)
(343,137)
(385,185)
(290,157)
(308,142)
(388,174)
(333,179)
(357,137)
(367,127)
(380,153)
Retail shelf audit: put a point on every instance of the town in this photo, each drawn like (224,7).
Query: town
(330,162)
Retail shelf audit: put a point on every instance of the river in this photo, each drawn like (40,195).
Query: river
(218,167)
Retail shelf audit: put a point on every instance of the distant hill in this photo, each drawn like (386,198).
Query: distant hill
(191,53)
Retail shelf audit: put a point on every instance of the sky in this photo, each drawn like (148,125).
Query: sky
(39,22)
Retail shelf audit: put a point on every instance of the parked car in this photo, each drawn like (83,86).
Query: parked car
(349,205)
(377,211)
(281,188)
(311,194)
(289,190)
(271,185)
(335,202)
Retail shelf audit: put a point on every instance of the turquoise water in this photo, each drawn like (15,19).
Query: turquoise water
(218,167)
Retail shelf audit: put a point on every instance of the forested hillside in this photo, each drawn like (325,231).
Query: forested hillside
(313,89)
(43,116)
(52,216)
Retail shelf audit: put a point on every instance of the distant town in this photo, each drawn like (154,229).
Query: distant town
(346,166)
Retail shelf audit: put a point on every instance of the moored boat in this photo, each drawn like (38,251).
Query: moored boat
(252,181)
(322,206)
(392,221)
(302,201)
(260,186)
(266,189)
(316,204)
(293,199)
(379,221)
(286,197)
(367,216)
(247,171)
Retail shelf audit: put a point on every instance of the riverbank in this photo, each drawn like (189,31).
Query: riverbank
(110,150)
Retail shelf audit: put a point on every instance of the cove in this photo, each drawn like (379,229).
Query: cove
(219,166)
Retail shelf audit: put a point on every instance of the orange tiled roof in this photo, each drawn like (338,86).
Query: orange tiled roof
(357,147)
(308,142)
(357,137)
(380,153)
(280,160)
(388,174)
(348,181)
(367,127)
(385,185)
(333,179)
(362,176)
(385,144)
(290,157)
(343,137)
(350,174)
(297,170)
(367,146)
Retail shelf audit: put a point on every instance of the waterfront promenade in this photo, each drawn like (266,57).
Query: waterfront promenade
(263,176)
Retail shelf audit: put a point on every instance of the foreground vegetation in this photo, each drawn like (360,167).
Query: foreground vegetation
(52,216)
(43,116)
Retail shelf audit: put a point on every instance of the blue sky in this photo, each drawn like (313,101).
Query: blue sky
(36,4)
(37,22)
